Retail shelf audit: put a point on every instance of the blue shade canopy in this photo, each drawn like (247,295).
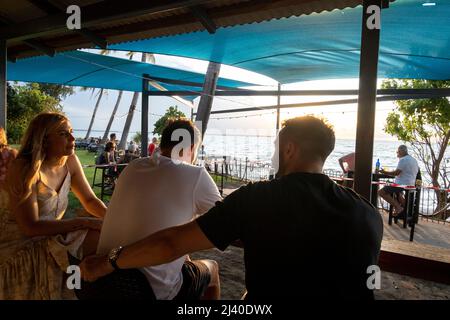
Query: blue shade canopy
(415,43)
(78,68)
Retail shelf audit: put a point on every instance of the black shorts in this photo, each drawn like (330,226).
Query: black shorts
(132,284)
(196,278)
(391,189)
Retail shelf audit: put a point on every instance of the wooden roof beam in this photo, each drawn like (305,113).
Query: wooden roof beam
(40,47)
(200,13)
(33,43)
(55,8)
(45,6)
(94,38)
(92,15)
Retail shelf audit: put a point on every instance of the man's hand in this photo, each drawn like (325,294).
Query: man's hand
(93,223)
(94,267)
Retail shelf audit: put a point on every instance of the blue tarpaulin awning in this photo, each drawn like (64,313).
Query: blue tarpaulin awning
(78,68)
(415,43)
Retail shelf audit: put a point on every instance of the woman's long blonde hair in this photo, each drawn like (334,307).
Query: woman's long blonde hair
(3,140)
(32,154)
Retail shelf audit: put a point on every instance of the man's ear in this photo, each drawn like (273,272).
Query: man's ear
(193,154)
(290,150)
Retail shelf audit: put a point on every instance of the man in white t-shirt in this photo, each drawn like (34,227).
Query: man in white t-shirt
(405,175)
(158,192)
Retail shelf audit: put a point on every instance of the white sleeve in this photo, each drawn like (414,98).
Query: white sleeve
(206,193)
(402,164)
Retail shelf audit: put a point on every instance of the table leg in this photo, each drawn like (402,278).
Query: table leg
(374,195)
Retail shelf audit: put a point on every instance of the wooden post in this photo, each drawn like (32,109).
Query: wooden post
(3,62)
(144,116)
(370,40)
(206,100)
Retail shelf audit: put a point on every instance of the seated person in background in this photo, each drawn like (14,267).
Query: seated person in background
(132,145)
(405,174)
(156,193)
(108,156)
(152,146)
(34,238)
(304,236)
(113,138)
(129,155)
(347,164)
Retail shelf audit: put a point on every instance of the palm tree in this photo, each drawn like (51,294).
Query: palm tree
(100,95)
(111,119)
(126,127)
(88,133)
(119,97)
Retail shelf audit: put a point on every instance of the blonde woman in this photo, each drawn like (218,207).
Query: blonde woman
(6,155)
(35,240)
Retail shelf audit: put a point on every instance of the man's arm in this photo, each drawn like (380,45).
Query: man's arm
(395,173)
(345,159)
(341,163)
(159,248)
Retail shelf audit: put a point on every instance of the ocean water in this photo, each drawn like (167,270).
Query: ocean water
(261,148)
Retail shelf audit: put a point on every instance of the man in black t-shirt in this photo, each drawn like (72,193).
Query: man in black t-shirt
(303,235)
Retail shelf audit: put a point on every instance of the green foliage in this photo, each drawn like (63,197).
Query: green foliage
(57,91)
(424,123)
(137,137)
(171,113)
(24,102)
(422,118)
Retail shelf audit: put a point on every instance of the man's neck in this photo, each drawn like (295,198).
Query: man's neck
(305,168)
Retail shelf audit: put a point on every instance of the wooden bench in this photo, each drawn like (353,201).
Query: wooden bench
(415,260)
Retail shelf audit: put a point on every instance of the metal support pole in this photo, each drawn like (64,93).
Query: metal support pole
(278,108)
(206,100)
(144,116)
(3,61)
(370,43)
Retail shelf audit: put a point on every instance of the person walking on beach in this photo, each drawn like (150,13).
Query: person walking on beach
(303,235)
(405,174)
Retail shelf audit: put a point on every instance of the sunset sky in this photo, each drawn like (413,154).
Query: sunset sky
(80,105)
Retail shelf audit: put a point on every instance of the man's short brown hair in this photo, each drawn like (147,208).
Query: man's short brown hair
(174,124)
(314,136)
